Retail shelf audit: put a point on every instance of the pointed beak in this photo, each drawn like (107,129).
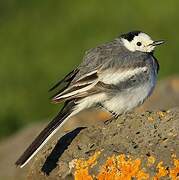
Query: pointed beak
(156,43)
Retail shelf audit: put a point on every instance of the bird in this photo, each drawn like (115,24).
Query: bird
(116,76)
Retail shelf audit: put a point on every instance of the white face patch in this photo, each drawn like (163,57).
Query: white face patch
(142,42)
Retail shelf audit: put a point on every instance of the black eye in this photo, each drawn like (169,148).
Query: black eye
(139,43)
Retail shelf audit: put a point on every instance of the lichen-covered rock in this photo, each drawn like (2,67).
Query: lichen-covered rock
(139,146)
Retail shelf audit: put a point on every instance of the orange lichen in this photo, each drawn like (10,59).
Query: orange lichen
(162,171)
(174,172)
(82,174)
(82,167)
(120,167)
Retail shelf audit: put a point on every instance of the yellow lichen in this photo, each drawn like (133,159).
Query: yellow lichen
(150,161)
(150,119)
(161,114)
(162,171)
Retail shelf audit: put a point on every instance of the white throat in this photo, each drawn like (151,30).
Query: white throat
(142,38)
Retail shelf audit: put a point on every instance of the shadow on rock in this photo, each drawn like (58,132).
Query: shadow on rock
(60,147)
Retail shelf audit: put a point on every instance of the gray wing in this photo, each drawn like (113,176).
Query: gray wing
(104,66)
(86,71)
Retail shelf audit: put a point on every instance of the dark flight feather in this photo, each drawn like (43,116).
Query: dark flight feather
(77,88)
(67,79)
(55,123)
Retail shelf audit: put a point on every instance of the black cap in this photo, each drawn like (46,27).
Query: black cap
(130,35)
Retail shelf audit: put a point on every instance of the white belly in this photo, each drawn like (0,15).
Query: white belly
(121,102)
(127,100)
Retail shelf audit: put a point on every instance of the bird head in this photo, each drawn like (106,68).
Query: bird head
(139,41)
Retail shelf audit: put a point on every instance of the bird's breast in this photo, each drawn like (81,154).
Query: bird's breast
(127,99)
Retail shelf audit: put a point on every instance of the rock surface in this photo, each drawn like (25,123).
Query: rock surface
(165,96)
(142,140)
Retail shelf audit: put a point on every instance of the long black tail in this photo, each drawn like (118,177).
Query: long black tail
(46,134)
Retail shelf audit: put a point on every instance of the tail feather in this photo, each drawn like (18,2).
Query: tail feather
(46,134)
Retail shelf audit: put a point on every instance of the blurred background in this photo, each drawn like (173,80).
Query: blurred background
(40,41)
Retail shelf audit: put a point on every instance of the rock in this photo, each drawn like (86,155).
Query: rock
(165,95)
(136,145)
(11,148)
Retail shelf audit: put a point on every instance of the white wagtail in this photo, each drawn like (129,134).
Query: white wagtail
(116,76)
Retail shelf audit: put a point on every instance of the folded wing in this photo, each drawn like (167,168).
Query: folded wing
(78,89)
